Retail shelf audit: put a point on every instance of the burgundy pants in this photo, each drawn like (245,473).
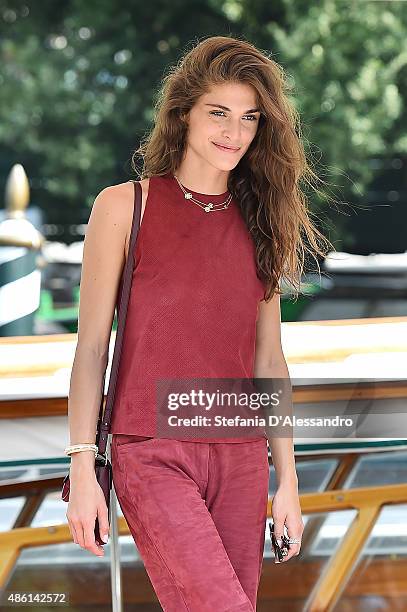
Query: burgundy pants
(197,514)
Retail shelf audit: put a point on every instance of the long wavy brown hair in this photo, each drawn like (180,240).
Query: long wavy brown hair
(267,181)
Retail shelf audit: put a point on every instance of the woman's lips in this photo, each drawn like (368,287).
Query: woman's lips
(226,149)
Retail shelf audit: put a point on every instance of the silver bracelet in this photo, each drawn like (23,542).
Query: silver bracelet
(77,448)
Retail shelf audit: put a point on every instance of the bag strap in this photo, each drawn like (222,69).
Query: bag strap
(123,293)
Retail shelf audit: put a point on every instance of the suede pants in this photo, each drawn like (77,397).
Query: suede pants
(197,514)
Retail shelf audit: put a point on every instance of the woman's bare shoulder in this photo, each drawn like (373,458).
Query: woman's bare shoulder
(125,188)
(117,201)
(114,205)
(117,196)
(122,194)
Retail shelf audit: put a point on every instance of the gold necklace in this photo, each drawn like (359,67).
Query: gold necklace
(207,207)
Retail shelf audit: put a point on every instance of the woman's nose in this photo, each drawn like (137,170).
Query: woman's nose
(233,132)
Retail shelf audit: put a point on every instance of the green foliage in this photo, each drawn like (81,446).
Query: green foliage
(348,60)
(78,82)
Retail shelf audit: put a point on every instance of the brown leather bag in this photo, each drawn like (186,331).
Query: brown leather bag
(103,467)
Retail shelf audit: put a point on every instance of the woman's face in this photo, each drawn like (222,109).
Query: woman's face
(227,115)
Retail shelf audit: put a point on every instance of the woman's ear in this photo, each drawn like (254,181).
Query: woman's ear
(184,116)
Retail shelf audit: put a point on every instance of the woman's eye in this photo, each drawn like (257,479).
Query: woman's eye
(217,114)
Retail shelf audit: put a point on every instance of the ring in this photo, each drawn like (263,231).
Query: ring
(293,540)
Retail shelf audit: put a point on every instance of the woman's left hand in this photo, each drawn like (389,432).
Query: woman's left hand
(286,510)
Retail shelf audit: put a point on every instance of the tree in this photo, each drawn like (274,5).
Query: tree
(78,83)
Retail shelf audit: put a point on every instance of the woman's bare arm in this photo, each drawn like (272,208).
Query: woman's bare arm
(104,253)
(270,363)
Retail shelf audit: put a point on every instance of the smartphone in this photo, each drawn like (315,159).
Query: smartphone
(279,551)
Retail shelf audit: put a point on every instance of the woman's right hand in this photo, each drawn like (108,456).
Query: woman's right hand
(86,503)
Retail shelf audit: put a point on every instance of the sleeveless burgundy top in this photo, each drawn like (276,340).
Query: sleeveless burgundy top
(193,304)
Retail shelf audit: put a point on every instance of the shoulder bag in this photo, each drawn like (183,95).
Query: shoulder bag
(103,467)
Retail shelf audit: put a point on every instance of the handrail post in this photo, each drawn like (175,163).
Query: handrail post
(115,566)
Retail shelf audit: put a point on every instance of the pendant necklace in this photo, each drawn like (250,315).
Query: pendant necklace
(207,207)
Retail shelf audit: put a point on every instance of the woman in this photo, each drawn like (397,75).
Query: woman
(221,222)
